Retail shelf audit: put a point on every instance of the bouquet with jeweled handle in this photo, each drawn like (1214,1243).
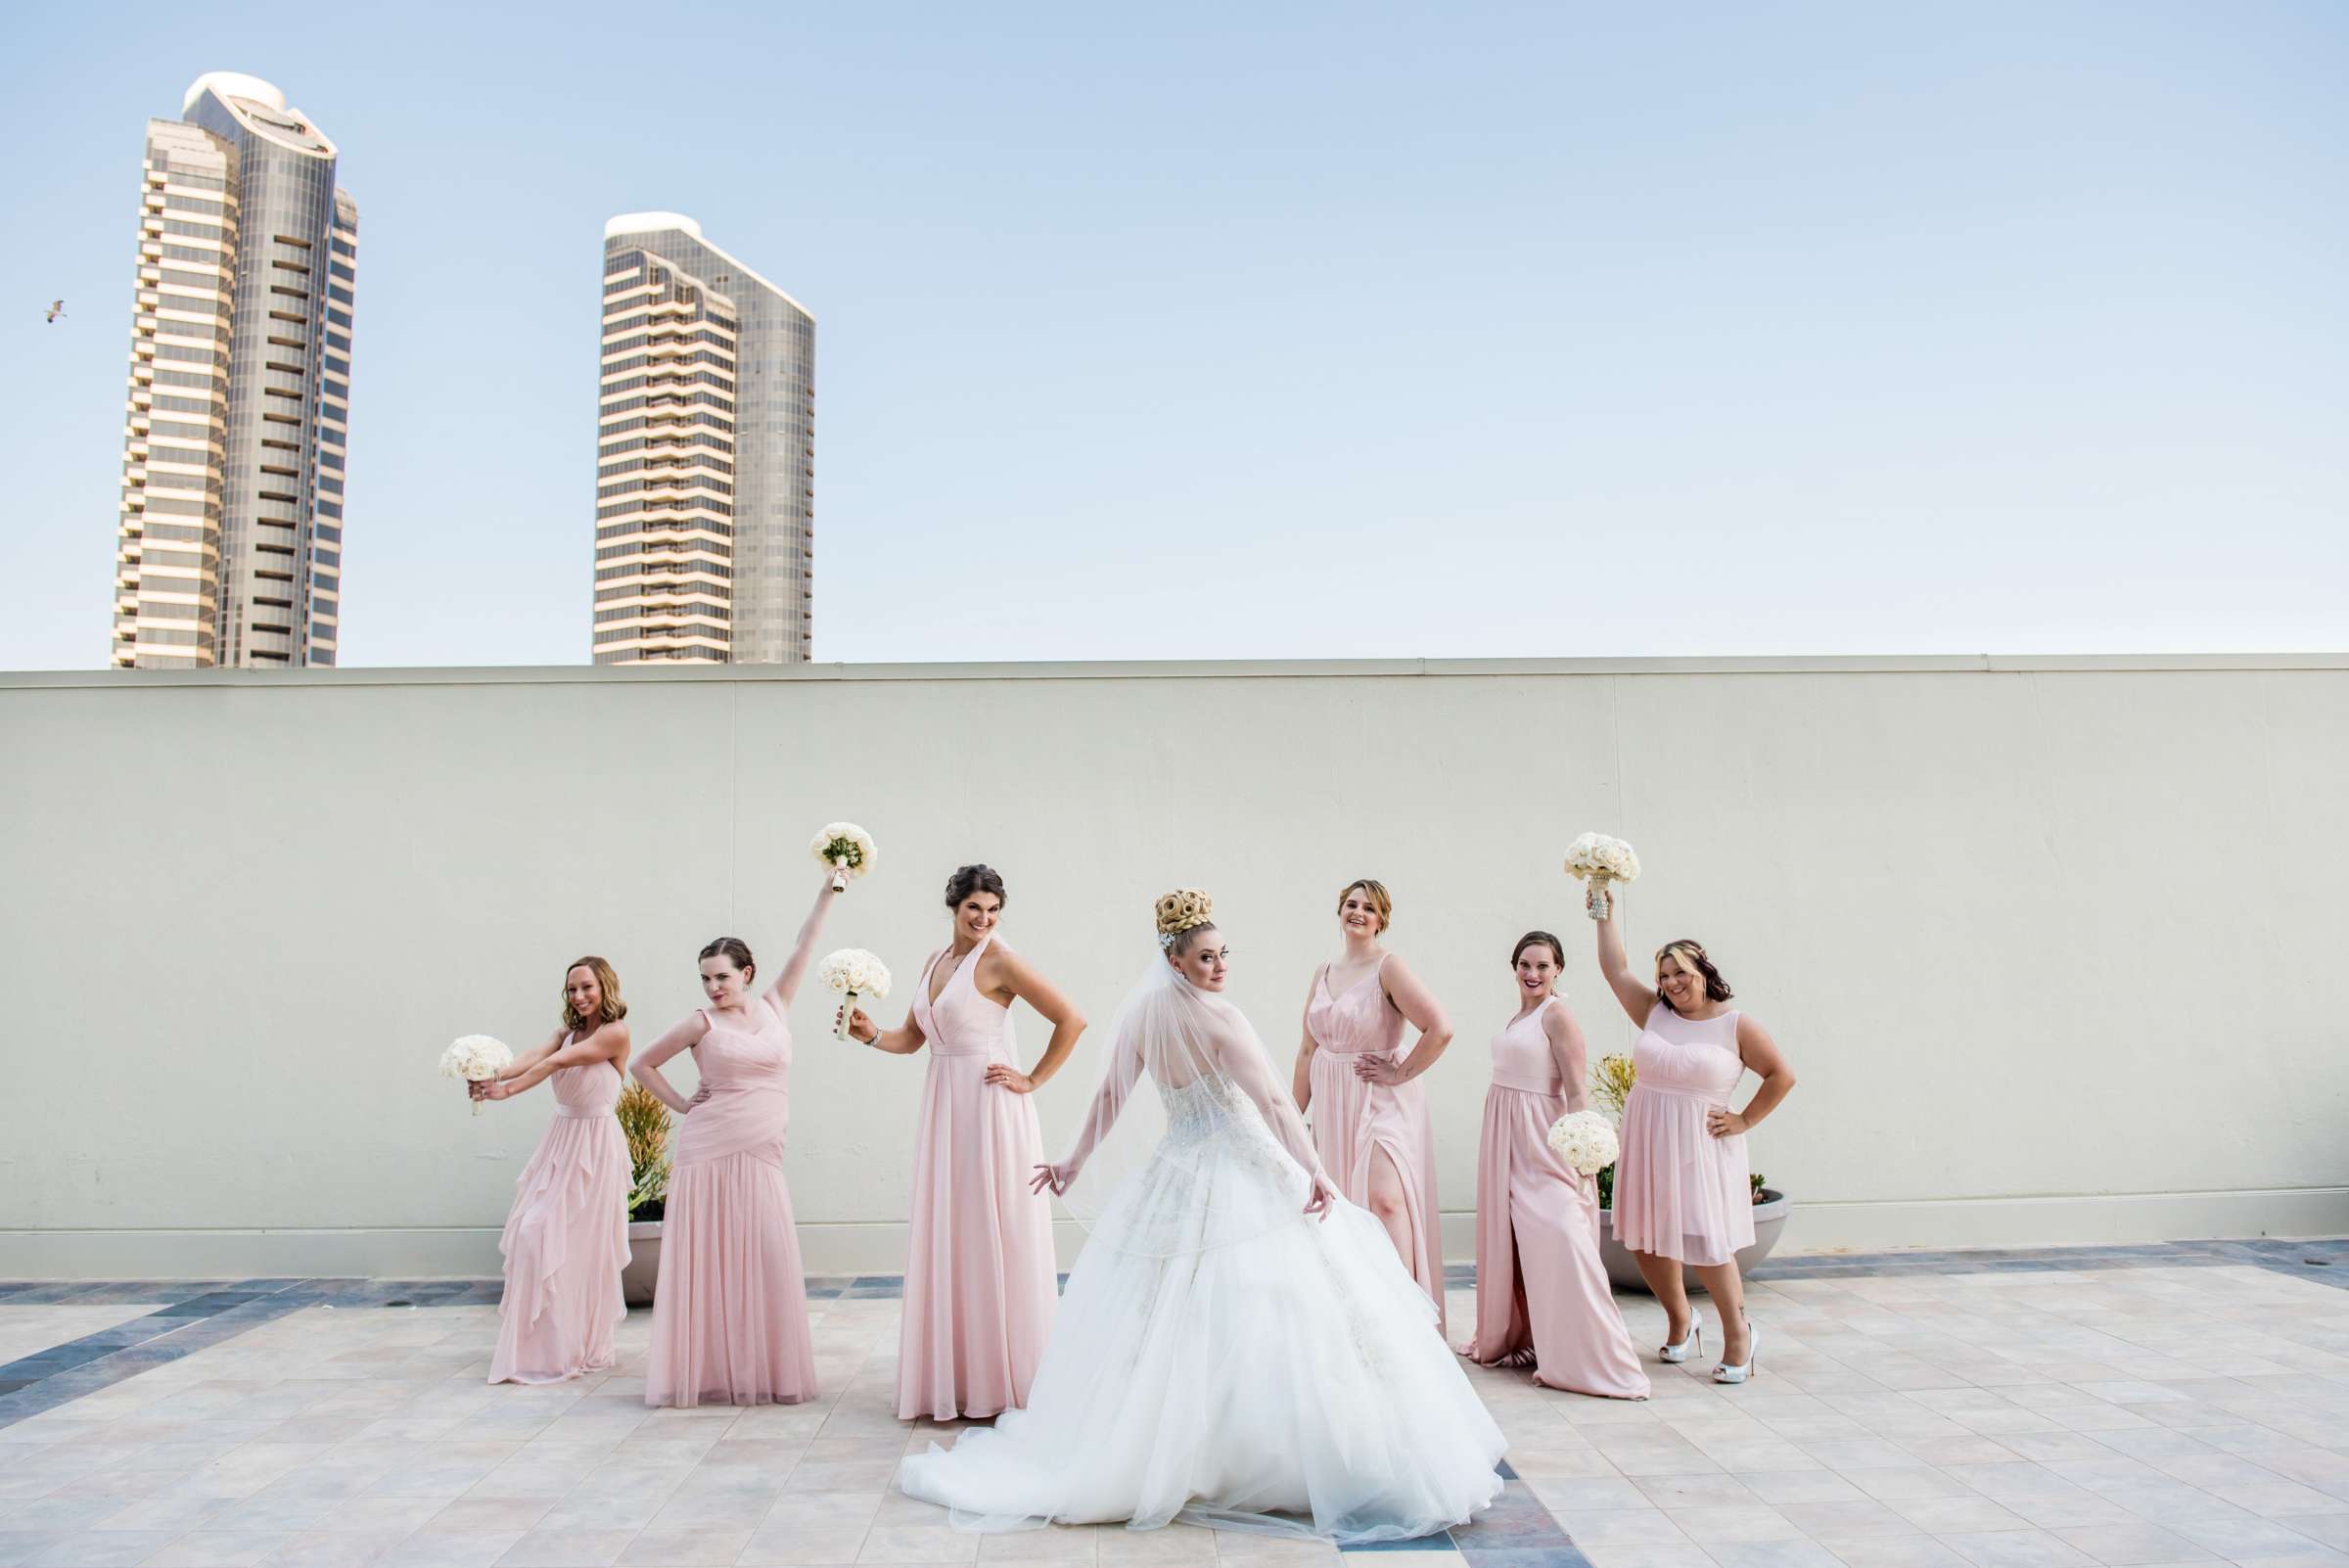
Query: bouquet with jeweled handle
(1598,859)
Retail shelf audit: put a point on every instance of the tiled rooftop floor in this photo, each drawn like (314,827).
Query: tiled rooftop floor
(2118,1408)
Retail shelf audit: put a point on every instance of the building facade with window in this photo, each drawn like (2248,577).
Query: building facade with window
(238,421)
(704,455)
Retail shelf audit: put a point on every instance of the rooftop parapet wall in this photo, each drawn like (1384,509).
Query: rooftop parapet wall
(2047,940)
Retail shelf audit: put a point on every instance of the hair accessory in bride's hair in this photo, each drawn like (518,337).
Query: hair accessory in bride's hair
(1180,912)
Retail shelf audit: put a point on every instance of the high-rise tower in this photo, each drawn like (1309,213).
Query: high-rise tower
(704,455)
(231,533)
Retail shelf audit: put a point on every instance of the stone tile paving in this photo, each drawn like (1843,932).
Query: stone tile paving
(2108,1408)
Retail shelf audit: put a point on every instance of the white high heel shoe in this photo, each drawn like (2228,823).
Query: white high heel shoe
(1726,1373)
(1691,1346)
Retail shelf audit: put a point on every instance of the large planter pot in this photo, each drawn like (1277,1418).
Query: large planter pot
(643,1272)
(1623,1270)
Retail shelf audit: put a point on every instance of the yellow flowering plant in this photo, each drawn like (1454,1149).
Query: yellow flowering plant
(644,1123)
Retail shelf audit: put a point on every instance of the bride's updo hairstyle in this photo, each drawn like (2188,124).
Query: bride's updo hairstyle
(1182,916)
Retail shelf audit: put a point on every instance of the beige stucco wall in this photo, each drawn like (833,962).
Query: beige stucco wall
(2053,945)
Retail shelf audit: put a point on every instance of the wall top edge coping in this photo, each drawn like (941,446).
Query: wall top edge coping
(1182,670)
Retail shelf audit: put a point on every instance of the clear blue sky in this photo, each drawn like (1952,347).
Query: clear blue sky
(1293,330)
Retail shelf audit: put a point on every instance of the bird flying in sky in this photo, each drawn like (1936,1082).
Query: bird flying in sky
(56,310)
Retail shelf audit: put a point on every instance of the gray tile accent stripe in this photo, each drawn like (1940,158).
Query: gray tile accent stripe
(201,1312)
(205,1313)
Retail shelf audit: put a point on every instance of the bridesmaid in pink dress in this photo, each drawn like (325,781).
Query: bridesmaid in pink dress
(1371,1121)
(730,1306)
(1542,1293)
(1683,1191)
(979,1283)
(567,1236)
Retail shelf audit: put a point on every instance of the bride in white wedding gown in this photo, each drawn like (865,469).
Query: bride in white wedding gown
(1238,1346)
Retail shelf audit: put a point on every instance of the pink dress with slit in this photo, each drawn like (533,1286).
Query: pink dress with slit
(567,1238)
(1353,1119)
(979,1285)
(1542,1293)
(730,1308)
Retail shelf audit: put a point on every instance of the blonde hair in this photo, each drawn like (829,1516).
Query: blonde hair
(1376,892)
(606,981)
(1691,956)
(1181,912)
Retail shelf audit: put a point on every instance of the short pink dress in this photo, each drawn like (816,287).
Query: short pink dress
(1679,1191)
(730,1307)
(1353,1118)
(980,1286)
(1540,1289)
(567,1238)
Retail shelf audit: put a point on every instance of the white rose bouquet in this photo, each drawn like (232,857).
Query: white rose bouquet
(847,850)
(1599,859)
(853,973)
(477,1059)
(1585,1140)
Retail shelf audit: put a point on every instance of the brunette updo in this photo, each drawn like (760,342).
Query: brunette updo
(970,879)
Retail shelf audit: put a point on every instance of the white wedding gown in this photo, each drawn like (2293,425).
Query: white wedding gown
(1221,1357)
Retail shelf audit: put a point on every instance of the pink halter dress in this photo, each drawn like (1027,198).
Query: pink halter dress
(980,1286)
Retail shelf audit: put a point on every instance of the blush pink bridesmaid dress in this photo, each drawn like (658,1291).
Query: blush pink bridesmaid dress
(1541,1288)
(1679,1191)
(1353,1119)
(979,1285)
(730,1307)
(566,1238)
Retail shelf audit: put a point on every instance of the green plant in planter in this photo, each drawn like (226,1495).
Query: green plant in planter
(644,1123)
(1611,1080)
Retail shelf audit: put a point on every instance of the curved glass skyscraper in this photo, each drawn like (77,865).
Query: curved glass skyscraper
(704,455)
(231,530)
